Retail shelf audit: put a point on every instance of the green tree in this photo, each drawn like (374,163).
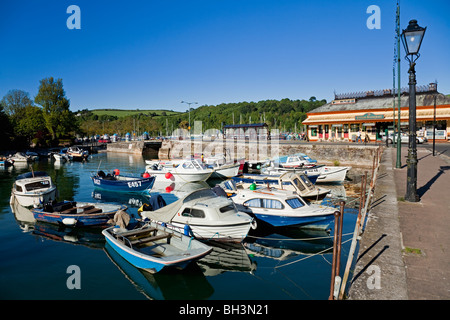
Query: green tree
(6,132)
(15,101)
(31,123)
(58,118)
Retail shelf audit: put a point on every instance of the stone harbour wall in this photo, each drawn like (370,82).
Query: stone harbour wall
(255,151)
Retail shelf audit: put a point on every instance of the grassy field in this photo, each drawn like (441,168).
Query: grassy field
(123,113)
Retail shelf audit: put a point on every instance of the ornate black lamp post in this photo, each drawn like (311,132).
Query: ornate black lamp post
(412,38)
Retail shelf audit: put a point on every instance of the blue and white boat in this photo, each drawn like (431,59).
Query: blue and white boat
(77,214)
(297,182)
(122,183)
(153,247)
(321,173)
(33,189)
(282,208)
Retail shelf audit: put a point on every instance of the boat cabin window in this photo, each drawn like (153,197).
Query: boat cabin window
(194,213)
(18,188)
(292,160)
(227,208)
(37,185)
(253,203)
(188,165)
(264,203)
(298,184)
(306,181)
(196,165)
(272,204)
(294,203)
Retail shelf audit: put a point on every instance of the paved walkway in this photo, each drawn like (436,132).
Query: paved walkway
(406,244)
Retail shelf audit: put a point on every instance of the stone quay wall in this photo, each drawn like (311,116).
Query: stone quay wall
(259,151)
(133,147)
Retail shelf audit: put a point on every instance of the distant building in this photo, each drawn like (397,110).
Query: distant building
(250,131)
(372,113)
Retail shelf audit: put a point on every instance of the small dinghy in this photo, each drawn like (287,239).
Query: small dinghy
(122,183)
(81,214)
(153,247)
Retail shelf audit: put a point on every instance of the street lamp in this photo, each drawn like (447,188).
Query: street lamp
(189,103)
(412,38)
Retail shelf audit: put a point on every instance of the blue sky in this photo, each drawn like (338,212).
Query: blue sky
(154,54)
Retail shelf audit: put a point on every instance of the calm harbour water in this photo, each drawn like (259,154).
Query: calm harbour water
(285,265)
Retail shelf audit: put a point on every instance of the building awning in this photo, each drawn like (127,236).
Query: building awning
(366,116)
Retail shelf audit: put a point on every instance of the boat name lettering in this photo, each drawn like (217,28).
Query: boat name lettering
(134,184)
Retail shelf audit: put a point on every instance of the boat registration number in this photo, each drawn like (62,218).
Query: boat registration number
(134,184)
(96,181)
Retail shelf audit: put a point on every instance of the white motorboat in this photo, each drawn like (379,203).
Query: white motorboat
(292,161)
(282,208)
(292,181)
(186,171)
(223,168)
(76,153)
(325,174)
(20,157)
(328,174)
(33,189)
(206,215)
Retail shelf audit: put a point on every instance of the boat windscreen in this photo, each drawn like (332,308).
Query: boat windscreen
(202,193)
(37,185)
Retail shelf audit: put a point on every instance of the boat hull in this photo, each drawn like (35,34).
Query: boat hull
(154,264)
(315,222)
(77,220)
(131,185)
(226,172)
(329,174)
(35,199)
(180,177)
(235,232)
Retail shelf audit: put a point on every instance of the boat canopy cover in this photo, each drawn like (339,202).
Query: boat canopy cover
(32,175)
(165,214)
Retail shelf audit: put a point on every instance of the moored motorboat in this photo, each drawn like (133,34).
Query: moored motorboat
(222,168)
(122,183)
(187,171)
(204,214)
(33,189)
(77,214)
(20,157)
(322,173)
(297,182)
(77,153)
(328,174)
(281,208)
(153,247)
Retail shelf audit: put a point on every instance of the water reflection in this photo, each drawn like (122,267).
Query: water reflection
(226,257)
(286,243)
(90,237)
(251,264)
